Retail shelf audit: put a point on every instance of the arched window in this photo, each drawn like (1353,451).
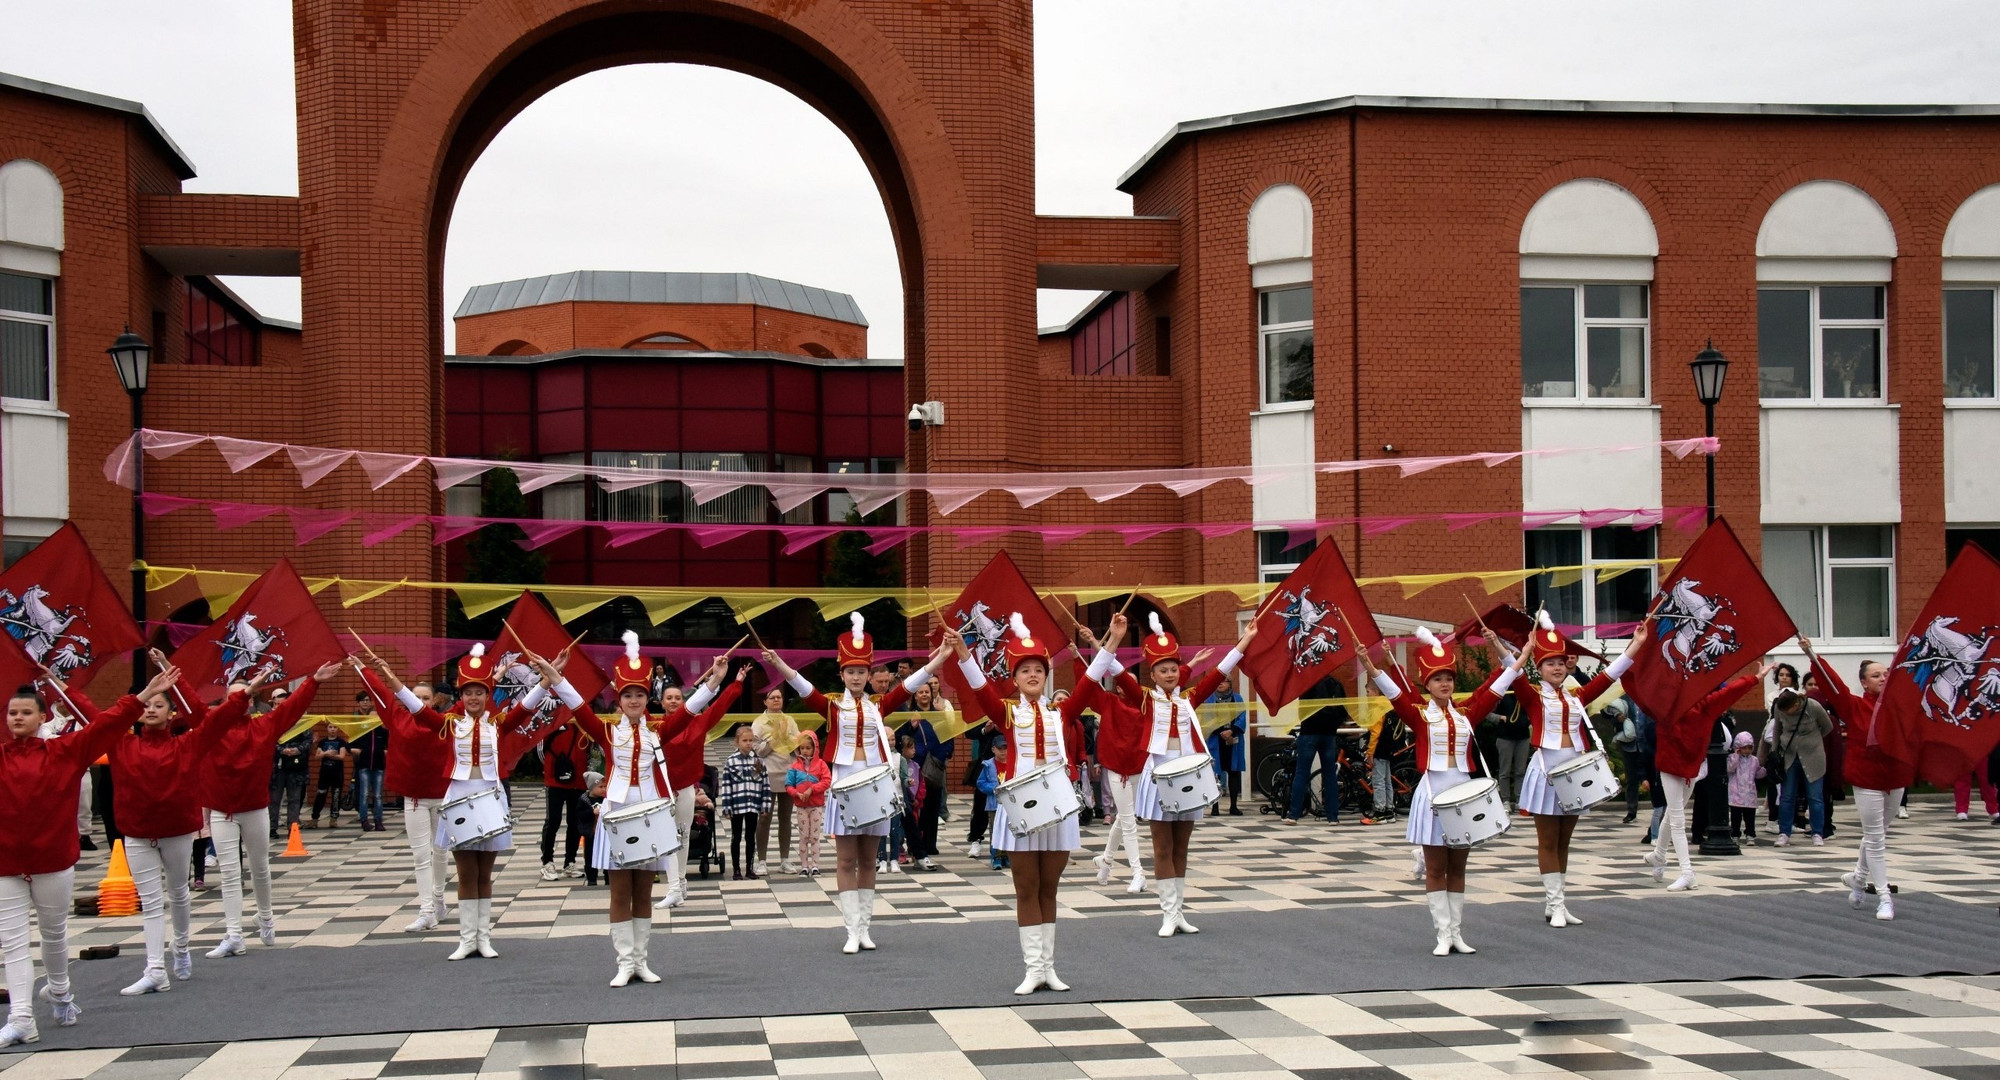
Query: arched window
(31,243)
(514,347)
(814,348)
(666,340)
(1587,250)
(1971,282)
(1824,252)
(1281,271)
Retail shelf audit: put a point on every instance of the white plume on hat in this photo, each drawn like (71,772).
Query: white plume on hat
(631,640)
(1019,626)
(1430,640)
(1542,620)
(478,649)
(854,617)
(1153,622)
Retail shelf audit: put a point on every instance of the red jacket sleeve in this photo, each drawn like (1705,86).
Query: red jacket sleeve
(1708,709)
(280,719)
(390,711)
(1205,686)
(1130,690)
(192,706)
(1483,700)
(994,705)
(101,731)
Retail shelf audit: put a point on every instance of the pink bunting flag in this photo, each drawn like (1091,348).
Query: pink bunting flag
(236,515)
(1057,535)
(974,535)
(1462,521)
(709,536)
(1689,518)
(448,527)
(309,525)
(243,453)
(1033,496)
(121,465)
(1184,488)
(383,468)
(1218,529)
(623,533)
(1544,518)
(800,537)
(950,499)
(1139,534)
(1646,519)
(540,533)
(314,463)
(385,527)
(165,444)
(885,538)
(157,505)
(1594,519)
(1378,526)
(451,472)
(1108,492)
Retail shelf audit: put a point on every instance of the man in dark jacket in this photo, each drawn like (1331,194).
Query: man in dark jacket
(1318,736)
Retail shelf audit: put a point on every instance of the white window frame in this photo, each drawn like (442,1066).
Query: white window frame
(1581,341)
(1272,573)
(1824,565)
(1818,326)
(1267,331)
(1591,562)
(49,322)
(1993,294)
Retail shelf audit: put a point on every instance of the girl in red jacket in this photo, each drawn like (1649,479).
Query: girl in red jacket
(1165,718)
(1878,779)
(233,780)
(1121,757)
(1556,722)
(685,764)
(1033,736)
(419,769)
(1444,735)
(635,772)
(38,848)
(1681,752)
(806,782)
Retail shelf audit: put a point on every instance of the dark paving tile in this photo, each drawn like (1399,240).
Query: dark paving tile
(890,1019)
(345,1057)
(543,1033)
(1866,1010)
(1387,1040)
(1405,1012)
(1731,1029)
(794,1050)
(436,1067)
(1472,1037)
(1606,1061)
(1075,1023)
(1541,993)
(1023,1055)
(1749,1061)
(1362,1073)
(552,1072)
(719,1069)
(170,1053)
(1115,1051)
(719,1038)
(1552,1029)
(1217,1005)
(1191,1033)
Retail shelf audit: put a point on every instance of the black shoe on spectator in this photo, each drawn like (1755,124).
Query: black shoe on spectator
(86,843)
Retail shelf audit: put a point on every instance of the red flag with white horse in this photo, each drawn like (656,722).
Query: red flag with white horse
(1715,613)
(1940,709)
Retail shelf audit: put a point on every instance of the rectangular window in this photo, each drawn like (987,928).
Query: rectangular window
(27,337)
(1605,584)
(1821,342)
(1102,345)
(560,502)
(674,502)
(801,514)
(1836,580)
(1613,325)
(1275,559)
(1285,342)
(839,504)
(217,332)
(1968,342)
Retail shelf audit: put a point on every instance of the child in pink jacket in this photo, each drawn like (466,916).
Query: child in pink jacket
(806,782)
(1745,769)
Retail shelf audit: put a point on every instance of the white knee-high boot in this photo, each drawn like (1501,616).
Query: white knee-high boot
(1440,905)
(864,916)
(1458,944)
(1169,890)
(485,943)
(1031,957)
(1049,978)
(468,930)
(621,943)
(850,919)
(1552,900)
(642,936)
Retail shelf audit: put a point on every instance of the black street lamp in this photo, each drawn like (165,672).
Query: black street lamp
(133,360)
(1710,368)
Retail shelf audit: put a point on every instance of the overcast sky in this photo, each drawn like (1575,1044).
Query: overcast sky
(673,168)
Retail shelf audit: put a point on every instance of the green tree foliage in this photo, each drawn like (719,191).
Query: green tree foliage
(494,554)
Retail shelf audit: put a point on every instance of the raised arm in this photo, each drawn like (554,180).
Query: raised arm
(1600,683)
(280,719)
(809,695)
(102,729)
(1481,703)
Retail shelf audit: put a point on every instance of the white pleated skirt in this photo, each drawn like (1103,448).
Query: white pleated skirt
(1064,835)
(600,840)
(1423,827)
(1537,797)
(837,827)
(1146,794)
(459,788)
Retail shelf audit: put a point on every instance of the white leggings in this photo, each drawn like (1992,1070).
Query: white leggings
(420,819)
(83,806)
(48,896)
(1874,861)
(246,836)
(683,821)
(152,861)
(1675,788)
(1121,789)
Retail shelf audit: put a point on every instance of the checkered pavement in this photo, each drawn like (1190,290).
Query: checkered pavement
(356,887)
(1864,1028)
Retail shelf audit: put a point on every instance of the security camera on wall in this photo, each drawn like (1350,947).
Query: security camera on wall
(926,414)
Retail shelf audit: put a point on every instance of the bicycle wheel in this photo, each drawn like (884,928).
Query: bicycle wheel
(1278,795)
(1404,775)
(1265,776)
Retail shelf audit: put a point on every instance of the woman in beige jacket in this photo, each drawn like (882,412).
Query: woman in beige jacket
(775,736)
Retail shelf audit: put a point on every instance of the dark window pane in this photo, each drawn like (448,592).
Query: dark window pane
(1859,542)
(1548,342)
(1555,547)
(1287,306)
(1617,363)
(1271,549)
(24,360)
(1784,343)
(1861,602)
(1850,302)
(1956,539)
(1853,358)
(1968,343)
(1288,366)
(1623,598)
(1791,565)
(33,295)
(1614,301)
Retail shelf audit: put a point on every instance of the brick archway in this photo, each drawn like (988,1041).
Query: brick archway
(395,106)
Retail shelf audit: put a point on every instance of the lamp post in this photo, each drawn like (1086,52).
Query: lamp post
(133,360)
(1710,367)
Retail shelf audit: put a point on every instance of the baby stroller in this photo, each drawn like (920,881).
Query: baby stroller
(701,832)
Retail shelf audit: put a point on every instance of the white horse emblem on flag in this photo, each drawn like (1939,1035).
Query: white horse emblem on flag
(1956,672)
(43,631)
(984,636)
(1693,636)
(245,647)
(1307,636)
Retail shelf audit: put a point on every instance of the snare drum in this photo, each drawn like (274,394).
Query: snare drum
(641,832)
(469,819)
(1186,783)
(1583,781)
(1037,800)
(1470,813)
(867,797)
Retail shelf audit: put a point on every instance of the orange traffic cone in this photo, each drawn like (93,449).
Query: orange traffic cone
(296,848)
(117,894)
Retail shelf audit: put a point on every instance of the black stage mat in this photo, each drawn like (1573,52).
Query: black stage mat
(306,991)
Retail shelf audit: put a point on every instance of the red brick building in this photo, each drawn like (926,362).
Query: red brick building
(1357,278)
